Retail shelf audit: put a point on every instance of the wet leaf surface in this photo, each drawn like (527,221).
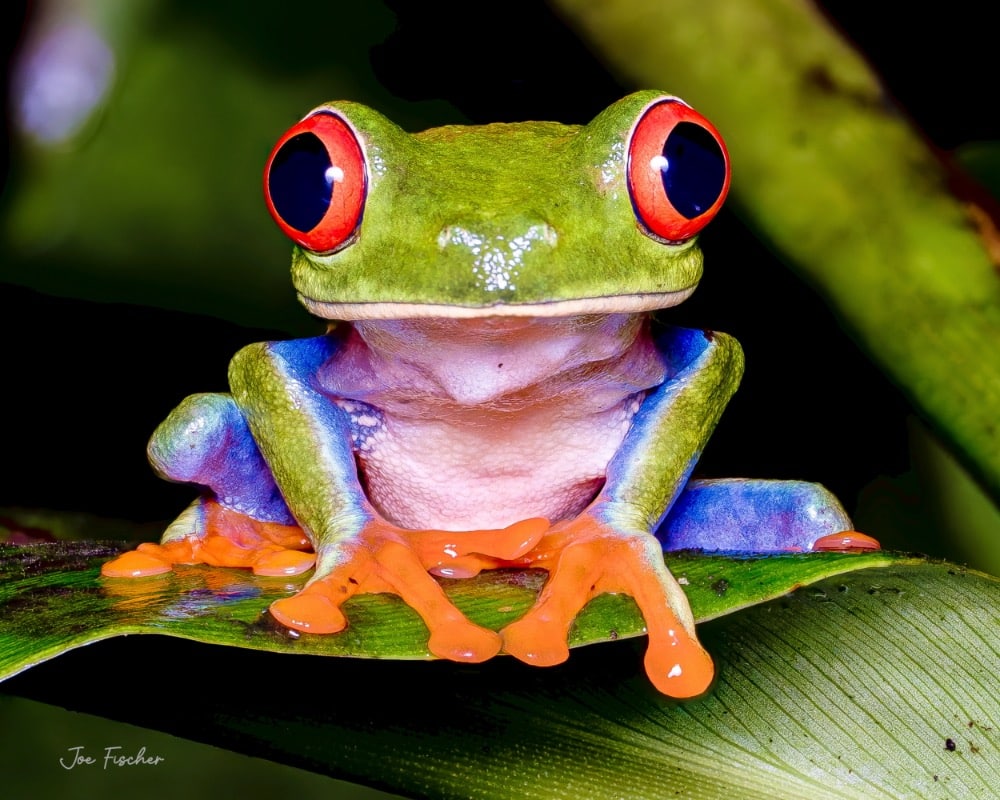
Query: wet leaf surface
(53,599)
(851,687)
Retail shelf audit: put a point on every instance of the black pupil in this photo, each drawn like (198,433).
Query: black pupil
(300,182)
(695,171)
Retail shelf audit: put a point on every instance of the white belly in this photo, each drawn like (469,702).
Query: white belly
(439,473)
(472,424)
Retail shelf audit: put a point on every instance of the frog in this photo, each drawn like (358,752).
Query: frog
(494,389)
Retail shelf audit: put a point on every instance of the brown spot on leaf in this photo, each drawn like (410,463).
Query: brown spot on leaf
(986,226)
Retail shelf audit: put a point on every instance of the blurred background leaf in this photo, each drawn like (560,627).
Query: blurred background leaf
(187,100)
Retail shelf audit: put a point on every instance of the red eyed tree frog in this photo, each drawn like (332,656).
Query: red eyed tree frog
(493,392)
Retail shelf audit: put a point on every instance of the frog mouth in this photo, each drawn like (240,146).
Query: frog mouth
(619,304)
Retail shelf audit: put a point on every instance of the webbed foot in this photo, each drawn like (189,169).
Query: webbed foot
(384,558)
(209,533)
(587,557)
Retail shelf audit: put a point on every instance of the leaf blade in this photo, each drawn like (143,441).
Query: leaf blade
(52,599)
(594,728)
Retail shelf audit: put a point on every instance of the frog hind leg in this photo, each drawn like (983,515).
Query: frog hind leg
(240,520)
(759,516)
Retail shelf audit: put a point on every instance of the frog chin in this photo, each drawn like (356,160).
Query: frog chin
(616,304)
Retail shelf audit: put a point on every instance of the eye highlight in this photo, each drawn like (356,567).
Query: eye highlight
(315,182)
(678,170)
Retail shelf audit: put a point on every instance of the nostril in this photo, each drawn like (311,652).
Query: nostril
(496,257)
(477,238)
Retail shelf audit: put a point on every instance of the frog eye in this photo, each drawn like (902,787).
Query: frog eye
(314,182)
(678,170)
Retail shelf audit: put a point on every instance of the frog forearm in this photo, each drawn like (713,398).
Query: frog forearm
(673,424)
(303,436)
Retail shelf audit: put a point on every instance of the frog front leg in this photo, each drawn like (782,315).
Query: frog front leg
(610,547)
(306,439)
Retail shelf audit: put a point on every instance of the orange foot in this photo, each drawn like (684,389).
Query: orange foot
(585,558)
(846,541)
(230,539)
(384,558)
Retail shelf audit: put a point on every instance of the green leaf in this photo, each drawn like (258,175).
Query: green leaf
(53,599)
(876,684)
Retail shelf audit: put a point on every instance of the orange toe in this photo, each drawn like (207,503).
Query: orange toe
(514,540)
(846,540)
(461,567)
(462,554)
(678,666)
(464,641)
(181,551)
(535,642)
(134,564)
(219,551)
(309,612)
(284,563)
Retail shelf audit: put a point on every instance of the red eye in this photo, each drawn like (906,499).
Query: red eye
(314,182)
(678,170)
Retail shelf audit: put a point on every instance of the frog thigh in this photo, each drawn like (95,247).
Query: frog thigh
(206,441)
(742,515)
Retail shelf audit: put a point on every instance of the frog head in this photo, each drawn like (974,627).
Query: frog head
(533,219)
